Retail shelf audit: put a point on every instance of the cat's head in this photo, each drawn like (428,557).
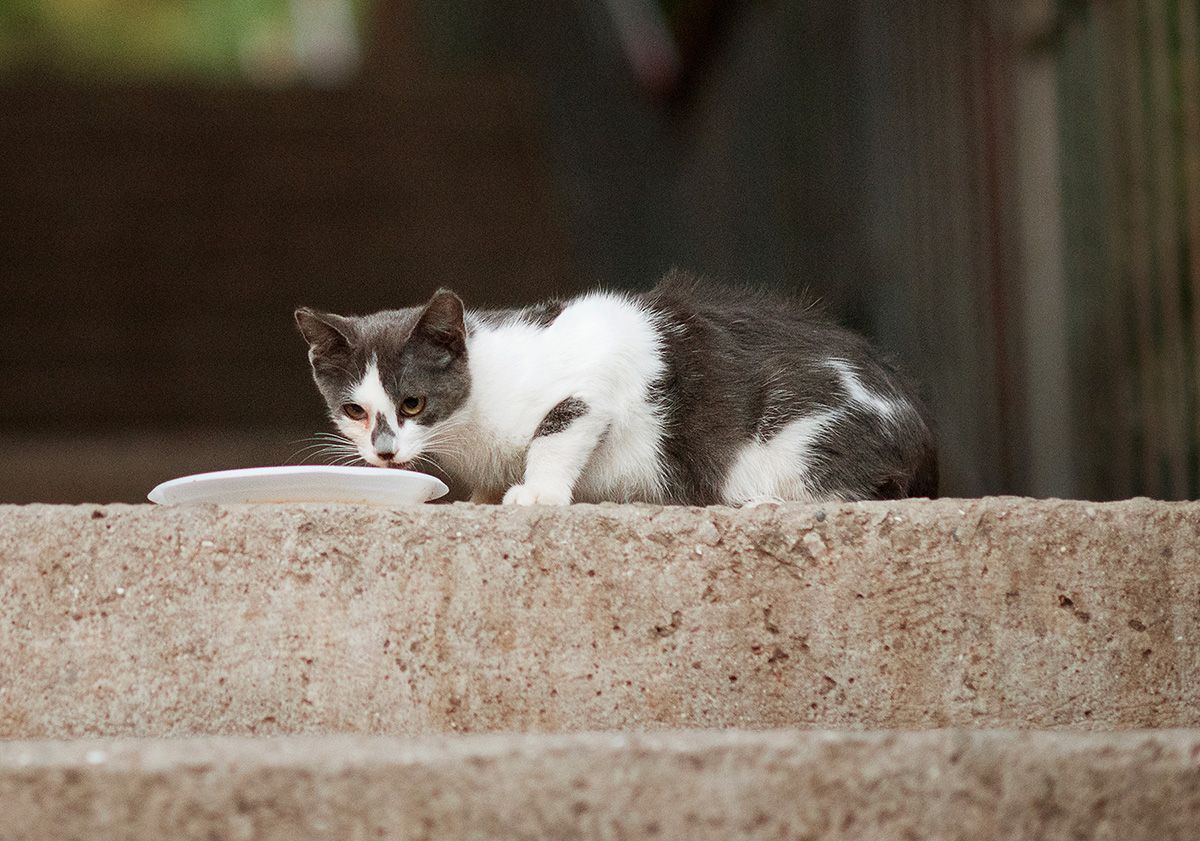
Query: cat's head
(393,380)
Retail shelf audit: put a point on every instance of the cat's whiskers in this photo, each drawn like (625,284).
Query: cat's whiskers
(443,447)
(336,442)
(313,451)
(443,444)
(323,445)
(329,458)
(330,442)
(324,448)
(324,436)
(453,440)
(449,435)
(421,459)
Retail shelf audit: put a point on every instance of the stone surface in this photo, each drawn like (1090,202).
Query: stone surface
(933,786)
(312,620)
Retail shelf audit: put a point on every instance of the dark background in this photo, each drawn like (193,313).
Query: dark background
(1005,196)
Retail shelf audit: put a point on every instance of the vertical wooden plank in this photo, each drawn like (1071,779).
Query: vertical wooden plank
(956,217)
(1043,300)
(980,94)
(978,106)
(998,217)
(1115,335)
(944,204)
(935,191)
(886,117)
(987,135)
(1165,224)
(1189,46)
(1140,247)
(969,226)
(1083,252)
(922,269)
(970,105)
(900,47)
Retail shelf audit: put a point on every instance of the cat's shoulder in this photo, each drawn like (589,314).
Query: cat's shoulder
(597,303)
(601,305)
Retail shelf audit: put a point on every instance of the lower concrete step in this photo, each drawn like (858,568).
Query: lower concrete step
(142,621)
(943,785)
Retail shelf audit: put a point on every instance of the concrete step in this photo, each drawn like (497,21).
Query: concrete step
(937,785)
(142,621)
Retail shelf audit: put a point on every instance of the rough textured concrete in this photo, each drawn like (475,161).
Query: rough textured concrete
(932,786)
(267,620)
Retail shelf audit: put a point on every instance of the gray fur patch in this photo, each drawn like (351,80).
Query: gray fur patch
(561,416)
(543,314)
(382,427)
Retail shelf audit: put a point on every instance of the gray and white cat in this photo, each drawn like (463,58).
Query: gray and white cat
(689,393)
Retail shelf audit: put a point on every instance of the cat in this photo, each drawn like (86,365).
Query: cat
(691,393)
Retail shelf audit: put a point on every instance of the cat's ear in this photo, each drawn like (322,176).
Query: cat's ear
(324,331)
(442,322)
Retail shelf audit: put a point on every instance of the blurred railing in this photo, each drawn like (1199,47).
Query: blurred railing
(939,225)
(1033,218)
(1129,94)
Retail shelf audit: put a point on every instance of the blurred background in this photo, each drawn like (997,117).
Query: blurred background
(1005,195)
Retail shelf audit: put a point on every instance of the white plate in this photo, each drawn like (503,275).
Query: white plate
(354,485)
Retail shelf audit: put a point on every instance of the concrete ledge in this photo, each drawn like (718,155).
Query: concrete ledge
(270,620)
(933,785)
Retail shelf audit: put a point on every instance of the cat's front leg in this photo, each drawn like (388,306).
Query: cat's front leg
(561,446)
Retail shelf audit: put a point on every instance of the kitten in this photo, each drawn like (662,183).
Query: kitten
(689,393)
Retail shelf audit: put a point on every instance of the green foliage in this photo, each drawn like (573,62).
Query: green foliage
(210,39)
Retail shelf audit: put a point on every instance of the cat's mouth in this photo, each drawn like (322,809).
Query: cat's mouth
(399,465)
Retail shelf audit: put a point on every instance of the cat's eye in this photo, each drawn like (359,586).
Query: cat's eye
(412,406)
(354,411)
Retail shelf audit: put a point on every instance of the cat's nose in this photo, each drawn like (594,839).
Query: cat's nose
(385,446)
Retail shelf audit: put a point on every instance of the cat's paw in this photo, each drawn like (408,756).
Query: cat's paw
(534,495)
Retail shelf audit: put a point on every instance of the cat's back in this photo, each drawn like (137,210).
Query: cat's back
(762,317)
(732,340)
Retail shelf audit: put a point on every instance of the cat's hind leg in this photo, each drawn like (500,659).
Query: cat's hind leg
(781,467)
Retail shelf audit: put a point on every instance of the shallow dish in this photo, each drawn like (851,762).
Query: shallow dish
(302,483)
